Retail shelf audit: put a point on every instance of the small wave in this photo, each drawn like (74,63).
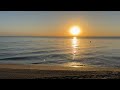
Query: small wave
(37,57)
(46,51)
(114,57)
(20,58)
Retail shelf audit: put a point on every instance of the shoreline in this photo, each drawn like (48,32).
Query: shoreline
(19,71)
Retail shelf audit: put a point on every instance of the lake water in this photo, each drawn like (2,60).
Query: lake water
(103,52)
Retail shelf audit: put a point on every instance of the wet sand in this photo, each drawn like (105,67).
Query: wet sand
(17,71)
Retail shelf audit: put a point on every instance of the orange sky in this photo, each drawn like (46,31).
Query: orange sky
(56,23)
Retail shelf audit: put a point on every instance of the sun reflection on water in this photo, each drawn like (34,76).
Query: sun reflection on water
(75,52)
(74,47)
(74,64)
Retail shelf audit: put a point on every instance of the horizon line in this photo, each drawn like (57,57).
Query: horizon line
(61,36)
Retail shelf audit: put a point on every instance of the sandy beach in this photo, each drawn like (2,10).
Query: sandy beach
(18,71)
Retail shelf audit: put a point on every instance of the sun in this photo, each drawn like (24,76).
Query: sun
(75,30)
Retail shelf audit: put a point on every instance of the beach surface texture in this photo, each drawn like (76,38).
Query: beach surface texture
(18,71)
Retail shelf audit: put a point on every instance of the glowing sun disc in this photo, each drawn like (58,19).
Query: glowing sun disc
(75,30)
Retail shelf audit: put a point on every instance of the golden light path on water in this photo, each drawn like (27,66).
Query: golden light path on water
(75,45)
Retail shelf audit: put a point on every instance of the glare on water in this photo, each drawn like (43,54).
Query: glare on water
(74,46)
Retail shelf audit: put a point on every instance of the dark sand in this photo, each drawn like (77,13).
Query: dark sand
(13,71)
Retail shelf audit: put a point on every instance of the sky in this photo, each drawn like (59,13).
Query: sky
(58,23)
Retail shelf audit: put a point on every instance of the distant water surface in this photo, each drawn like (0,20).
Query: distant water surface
(71,51)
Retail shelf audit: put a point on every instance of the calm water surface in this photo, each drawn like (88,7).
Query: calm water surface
(104,52)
